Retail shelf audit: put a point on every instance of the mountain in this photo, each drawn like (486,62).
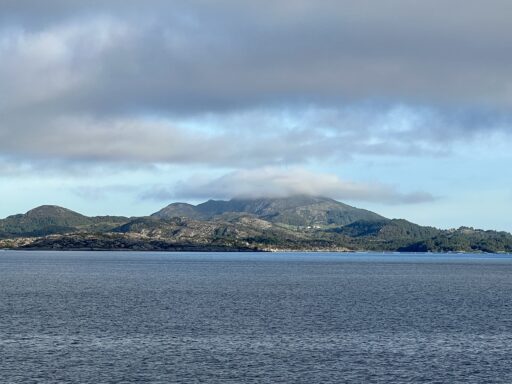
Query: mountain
(300,211)
(300,223)
(52,219)
(179,210)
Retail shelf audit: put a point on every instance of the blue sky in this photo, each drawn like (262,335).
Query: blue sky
(121,107)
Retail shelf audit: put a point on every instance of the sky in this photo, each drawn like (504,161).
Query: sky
(122,106)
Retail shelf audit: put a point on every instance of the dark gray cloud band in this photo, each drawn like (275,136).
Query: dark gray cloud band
(196,56)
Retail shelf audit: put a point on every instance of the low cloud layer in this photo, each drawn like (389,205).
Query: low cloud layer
(277,182)
(246,139)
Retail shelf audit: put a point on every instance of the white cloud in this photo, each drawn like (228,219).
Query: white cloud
(279,182)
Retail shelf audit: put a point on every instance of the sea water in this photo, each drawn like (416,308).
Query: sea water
(119,317)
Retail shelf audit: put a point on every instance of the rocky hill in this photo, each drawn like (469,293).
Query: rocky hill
(295,211)
(298,223)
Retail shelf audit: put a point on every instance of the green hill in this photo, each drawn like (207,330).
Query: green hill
(52,219)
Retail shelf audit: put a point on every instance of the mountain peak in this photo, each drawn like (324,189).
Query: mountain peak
(300,210)
(177,210)
(294,199)
(52,219)
(51,210)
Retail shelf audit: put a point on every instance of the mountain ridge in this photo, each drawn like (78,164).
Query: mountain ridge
(298,210)
(298,223)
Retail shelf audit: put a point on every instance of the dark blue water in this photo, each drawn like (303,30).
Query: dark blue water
(254,318)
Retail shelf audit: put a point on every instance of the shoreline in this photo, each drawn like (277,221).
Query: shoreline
(267,251)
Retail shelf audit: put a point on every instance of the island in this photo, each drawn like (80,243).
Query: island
(298,223)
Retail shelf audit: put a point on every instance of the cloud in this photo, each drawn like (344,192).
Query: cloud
(10,169)
(45,70)
(278,182)
(236,85)
(93,193)
(239,140)
(192,56)
(275,83)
